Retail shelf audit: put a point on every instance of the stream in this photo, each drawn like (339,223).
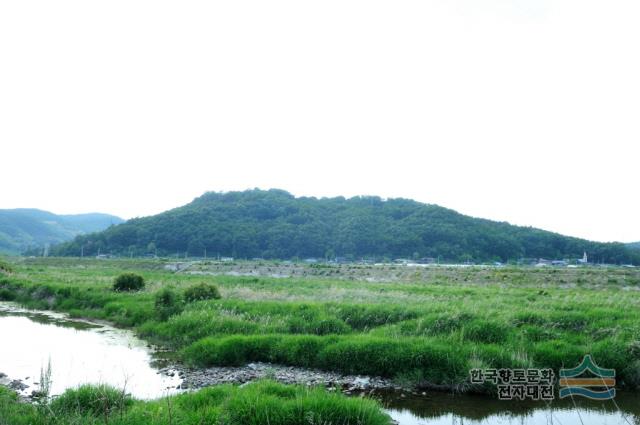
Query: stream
(86,352)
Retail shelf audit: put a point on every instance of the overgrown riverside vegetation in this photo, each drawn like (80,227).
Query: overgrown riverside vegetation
(427,331)
(255,404)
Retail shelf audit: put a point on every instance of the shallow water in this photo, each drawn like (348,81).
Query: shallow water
(84,352)
(80,352)
(440,409)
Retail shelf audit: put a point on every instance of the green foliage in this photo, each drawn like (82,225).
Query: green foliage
(421,330)
(7,295)
(202,291)
(352,355)
(91,400)
(274,404)
(274,224)
(168,303)
(5,267)
(30,229)
(13,412)
(258,403)
(128,282)
(487,331)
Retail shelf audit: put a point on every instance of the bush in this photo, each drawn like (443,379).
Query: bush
(6,295)
(202,291)
(5,267)
(128,282)
(100,400)
(168,303)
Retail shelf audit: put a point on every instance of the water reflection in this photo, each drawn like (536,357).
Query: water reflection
(436,409)
(80,352)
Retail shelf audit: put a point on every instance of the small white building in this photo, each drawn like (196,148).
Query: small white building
(584,259)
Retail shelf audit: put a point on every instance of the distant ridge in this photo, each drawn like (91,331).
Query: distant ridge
(275,224)
(24,228)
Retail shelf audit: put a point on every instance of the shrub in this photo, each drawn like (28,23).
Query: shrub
(5,267)
(631,375)
(168,303)
(128,282)
(202,291)
(6,295)
(100,400)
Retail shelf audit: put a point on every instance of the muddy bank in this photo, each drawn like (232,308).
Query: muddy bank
(199,378)
(20,386)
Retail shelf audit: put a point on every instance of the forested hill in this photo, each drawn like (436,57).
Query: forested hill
(634,245)
(275,224)
(25,228)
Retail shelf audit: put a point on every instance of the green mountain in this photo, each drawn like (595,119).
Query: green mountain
(24,229)
(275,224)
(634,245)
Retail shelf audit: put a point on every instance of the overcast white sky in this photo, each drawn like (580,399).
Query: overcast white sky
(518,110)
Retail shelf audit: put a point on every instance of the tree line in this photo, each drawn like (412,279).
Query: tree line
(274,224)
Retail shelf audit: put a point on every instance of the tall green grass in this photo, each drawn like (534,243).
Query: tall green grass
(259,403)
(433,330)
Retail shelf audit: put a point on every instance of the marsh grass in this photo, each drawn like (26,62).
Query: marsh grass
(259,403)
(434,329)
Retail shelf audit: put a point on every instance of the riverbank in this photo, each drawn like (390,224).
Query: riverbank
(347,384)
(257,403)
(17,385)
(420,334)
(25,397)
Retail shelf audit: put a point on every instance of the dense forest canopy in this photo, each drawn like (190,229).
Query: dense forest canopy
(24,228)
(275,224)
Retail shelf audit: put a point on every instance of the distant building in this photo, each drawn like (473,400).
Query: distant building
(584,259)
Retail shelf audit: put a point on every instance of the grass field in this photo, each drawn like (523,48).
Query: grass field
(255,404)
(426,331)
